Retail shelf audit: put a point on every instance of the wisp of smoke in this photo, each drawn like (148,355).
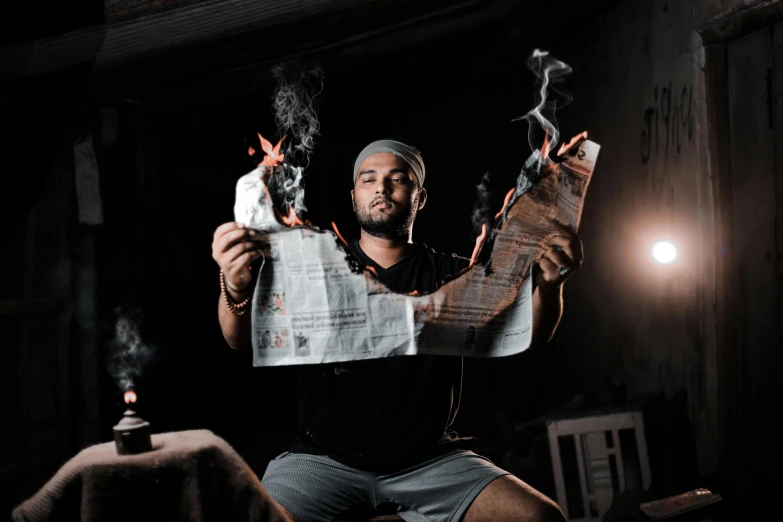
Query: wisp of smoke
(541,120)
(481,212)
(287,189)
(295,102)
(548,71)
(127,353)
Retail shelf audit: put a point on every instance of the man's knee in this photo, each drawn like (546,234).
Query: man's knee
(548,511)
(544,509)
(508,498)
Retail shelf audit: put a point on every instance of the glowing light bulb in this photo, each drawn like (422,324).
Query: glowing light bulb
(664,252)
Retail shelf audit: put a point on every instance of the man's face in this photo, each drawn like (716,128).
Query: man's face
(386,196)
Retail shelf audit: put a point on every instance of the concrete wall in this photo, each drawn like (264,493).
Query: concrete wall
(639,90)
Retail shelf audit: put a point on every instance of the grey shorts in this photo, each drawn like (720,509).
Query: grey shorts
(316,488)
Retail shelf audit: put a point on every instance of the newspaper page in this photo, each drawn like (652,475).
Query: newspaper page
(310,305)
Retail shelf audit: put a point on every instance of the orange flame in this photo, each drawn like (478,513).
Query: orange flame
(130,397)
(545,149)
(565,147)
(272,158)
(291,219)
(479,241)
(505,202)
(340,236)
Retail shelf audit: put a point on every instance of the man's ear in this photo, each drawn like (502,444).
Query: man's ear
(422,197)
(353,199)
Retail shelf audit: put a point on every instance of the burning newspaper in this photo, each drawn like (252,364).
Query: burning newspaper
(309,306)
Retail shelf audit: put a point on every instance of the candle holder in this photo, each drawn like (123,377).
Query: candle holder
(132,434)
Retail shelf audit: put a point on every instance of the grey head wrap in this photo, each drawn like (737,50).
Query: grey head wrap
(411,156)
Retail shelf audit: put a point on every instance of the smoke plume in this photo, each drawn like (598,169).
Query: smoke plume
(295,102)
(543,135)
(543,124)
(287,189)
(481,212)
(128,354)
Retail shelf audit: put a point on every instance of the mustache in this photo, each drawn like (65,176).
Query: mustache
(381,199)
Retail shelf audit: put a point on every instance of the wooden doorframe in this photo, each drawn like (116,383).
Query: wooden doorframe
(727,363)
(715,38)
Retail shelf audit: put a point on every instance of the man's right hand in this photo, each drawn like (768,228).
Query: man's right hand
(234,247)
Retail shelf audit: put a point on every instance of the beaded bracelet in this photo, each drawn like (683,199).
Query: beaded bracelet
(237,309)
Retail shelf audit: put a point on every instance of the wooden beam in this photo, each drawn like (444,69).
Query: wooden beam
(737,24)
(113,45)
(717,92)
(235,68)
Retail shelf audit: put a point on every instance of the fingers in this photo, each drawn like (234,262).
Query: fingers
(226,227)
(568,241)
(237,270)
(558,257)
(571,247)
(244,260)
(561,255)
(234,247)
(566,230)
(549,269)
(243,248)
(233,237)
(561,241)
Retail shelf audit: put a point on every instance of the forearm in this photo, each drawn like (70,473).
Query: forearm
(547,310)
(236,329)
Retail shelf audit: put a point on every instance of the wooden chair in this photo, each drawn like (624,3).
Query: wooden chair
(599,458)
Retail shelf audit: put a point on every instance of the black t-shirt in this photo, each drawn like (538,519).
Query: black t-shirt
(383,415)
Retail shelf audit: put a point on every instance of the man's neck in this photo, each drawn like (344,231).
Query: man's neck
(385,252)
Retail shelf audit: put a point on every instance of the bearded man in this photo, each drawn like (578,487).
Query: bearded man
(377,433)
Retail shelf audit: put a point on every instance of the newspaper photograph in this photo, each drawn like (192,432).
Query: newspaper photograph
(311,305)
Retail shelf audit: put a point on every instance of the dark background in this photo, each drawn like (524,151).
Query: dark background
(155,247)
(447,78)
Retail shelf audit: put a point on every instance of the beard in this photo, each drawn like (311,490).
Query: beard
(392,225)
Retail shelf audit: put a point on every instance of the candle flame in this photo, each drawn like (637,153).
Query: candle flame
(130,397)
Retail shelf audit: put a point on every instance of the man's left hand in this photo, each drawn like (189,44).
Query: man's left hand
(561,256)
